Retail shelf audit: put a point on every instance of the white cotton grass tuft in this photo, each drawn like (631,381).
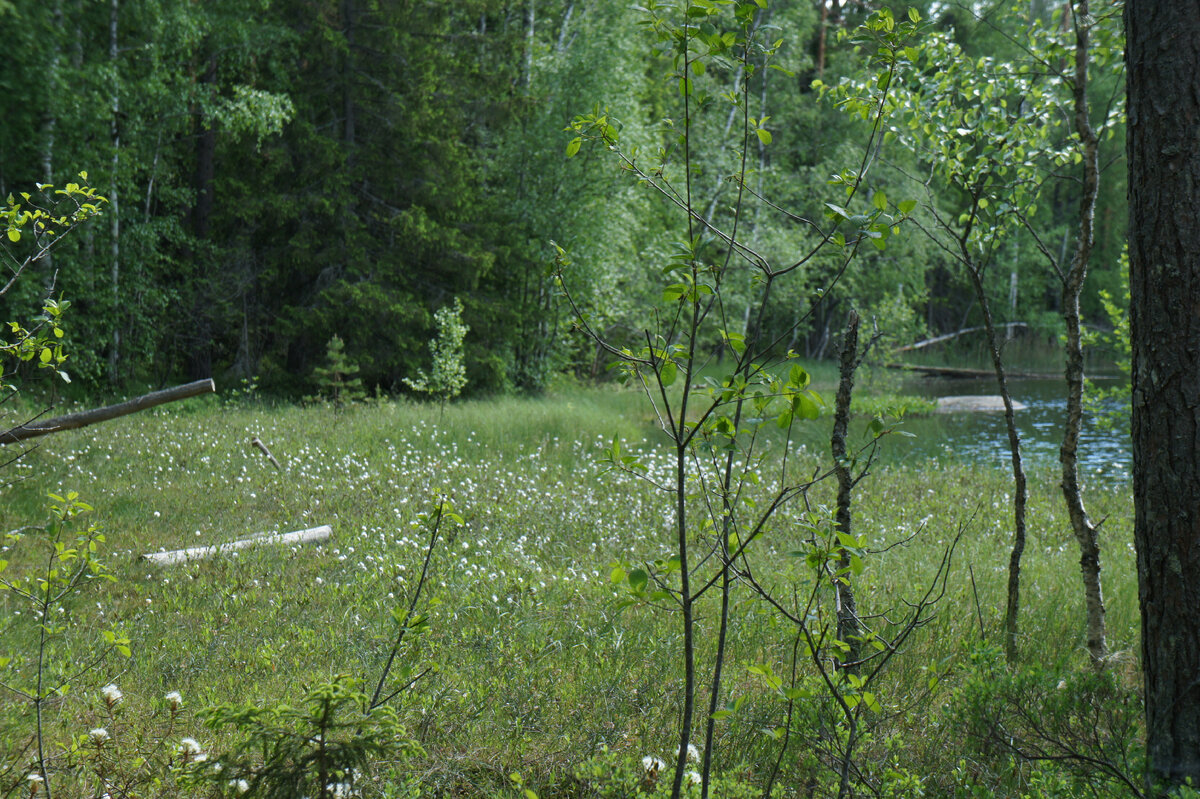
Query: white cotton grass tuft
(189,750)
(174,701)
(112,694)
(693,753)
(99,735)
(653,764)
(691,777)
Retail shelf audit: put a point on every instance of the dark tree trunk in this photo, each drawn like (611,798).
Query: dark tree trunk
(114,354)
(849,631)
(1163,58)
(199,344)
(1020,489)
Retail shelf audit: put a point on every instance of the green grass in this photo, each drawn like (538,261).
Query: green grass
(536,664)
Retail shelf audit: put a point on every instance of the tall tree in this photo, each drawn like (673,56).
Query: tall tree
(1163,60)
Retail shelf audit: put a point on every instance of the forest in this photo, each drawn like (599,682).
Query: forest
(531,402)
(279,173)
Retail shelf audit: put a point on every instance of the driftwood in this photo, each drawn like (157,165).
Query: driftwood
(200,553)
(72,421)
(257,443)
(939,339)
(954,371)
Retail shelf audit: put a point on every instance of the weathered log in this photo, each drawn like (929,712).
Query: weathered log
(258,444)
(954,371)
(72,421)
(948,336)
(258,539)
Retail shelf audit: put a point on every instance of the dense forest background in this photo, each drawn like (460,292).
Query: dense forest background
(283,171)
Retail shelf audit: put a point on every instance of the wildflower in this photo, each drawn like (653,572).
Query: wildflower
(693,753)
(189,750)
(112,694)
(692,778)
(652,764)
(241,786)
(35,782)
(174,701)
(99,735)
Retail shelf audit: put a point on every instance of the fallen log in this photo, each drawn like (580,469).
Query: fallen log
(1010,326)
(258,539)
(257,443)
(72,421)
(954,371)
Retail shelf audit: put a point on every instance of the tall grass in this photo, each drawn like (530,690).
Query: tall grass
(537,665)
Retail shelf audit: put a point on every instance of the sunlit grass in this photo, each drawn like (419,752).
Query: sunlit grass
(535,664)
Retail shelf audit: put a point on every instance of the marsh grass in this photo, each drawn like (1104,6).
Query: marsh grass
(535,666)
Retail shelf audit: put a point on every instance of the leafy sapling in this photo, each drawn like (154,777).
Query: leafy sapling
(55,563)
(449,375)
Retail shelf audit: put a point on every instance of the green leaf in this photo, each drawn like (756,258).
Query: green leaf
(879,201)
(573,146)
(638,579)
(14,234)
(667,373)
(914,15)
(906,206)
(698,67)
(807,408)
(764,136)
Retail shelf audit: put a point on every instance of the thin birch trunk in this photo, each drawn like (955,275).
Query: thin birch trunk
(849,631)
(1020,493)
(114,354)
(1085,531)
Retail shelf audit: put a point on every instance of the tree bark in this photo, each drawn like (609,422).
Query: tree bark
(1163,58)
(114,354)
(73,421)
(849,631)
(1085,531)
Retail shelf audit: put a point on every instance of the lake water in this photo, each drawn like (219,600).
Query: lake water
(981,437)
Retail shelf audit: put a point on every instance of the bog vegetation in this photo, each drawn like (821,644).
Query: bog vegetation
(532,657)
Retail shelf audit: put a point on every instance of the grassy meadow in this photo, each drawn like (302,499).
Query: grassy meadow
(535,665)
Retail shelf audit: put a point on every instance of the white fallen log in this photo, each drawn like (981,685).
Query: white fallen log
(258,539)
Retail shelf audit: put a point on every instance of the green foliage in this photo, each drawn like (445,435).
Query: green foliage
(45,572)
(35,225)
(1116,340)
(324,748)
(1082,729)
(338,378)
(449,375)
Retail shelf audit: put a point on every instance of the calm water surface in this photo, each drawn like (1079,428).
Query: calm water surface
(981,437)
